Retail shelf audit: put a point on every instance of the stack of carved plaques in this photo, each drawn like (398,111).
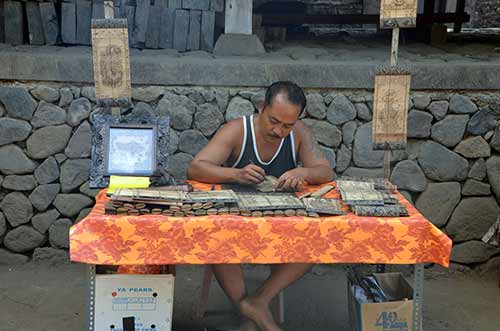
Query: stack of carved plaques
(372,197)
(170,203)
(116,207)
(275,204)
(181,203)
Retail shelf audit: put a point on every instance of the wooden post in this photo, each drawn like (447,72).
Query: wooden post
(387,163)
(394,47)
(389,125)
(394,61)
(108,9)
(459,14)
(428,13)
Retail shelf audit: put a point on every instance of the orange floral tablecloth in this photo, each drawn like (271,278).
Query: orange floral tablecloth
(153,239)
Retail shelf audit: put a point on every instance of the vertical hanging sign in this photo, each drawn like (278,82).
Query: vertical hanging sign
(390,111)
(398,14)
(111,58)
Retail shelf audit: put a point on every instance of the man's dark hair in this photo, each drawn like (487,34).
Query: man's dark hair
(292,91)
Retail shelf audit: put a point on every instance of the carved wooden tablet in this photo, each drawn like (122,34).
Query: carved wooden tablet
(377,211)
(222,196)
(323,206)
(362,197)
(256,201)
(111,58)
(398,14)
(390,111)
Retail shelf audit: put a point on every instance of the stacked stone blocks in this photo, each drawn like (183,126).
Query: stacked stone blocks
(152,24)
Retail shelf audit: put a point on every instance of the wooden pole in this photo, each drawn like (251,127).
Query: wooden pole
(394,47)
(109,9)
(394,62)
(457,28)
(387,163)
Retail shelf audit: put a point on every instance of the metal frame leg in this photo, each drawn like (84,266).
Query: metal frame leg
(277,306)
(90,276)
(418,297)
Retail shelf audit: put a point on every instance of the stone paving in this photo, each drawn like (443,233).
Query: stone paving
(53,298)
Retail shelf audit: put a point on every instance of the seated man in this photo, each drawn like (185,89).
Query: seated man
(244,151)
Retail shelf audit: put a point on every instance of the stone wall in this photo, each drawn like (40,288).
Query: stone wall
(451,169)
(486,14)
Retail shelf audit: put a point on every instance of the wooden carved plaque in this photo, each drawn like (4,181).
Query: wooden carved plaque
(261,201)
(390,111)
(111,58)
(398,14)
(362,197)
(323,206)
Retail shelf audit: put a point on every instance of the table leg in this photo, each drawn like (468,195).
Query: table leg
(418,297)
(278,307)
(90,277)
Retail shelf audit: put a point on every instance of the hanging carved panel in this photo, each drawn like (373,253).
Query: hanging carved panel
(390,111)
(111,58)
(398,14)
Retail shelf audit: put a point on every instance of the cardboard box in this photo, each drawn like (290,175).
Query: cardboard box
(384,316)
(145,300)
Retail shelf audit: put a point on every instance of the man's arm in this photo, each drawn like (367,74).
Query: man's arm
(315,170)
(207,165)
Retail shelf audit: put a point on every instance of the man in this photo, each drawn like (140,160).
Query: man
(244,151)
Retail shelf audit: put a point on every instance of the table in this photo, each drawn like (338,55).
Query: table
(157,239)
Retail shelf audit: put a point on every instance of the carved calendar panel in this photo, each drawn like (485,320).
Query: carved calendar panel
(398,14)
(390,111)
(111,59)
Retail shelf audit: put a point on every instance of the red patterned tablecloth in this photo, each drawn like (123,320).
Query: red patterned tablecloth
(154,239)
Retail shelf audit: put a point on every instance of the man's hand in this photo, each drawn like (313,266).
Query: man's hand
(251,174)
(292,179)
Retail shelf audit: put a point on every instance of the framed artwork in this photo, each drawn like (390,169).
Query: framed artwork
(110,52)
(130,149)
(398,14)
(127,145)
(390,113)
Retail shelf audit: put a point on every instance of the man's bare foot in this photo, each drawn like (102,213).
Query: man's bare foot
(258,312)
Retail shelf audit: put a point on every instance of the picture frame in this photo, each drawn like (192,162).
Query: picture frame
(113,139)
(130,149)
